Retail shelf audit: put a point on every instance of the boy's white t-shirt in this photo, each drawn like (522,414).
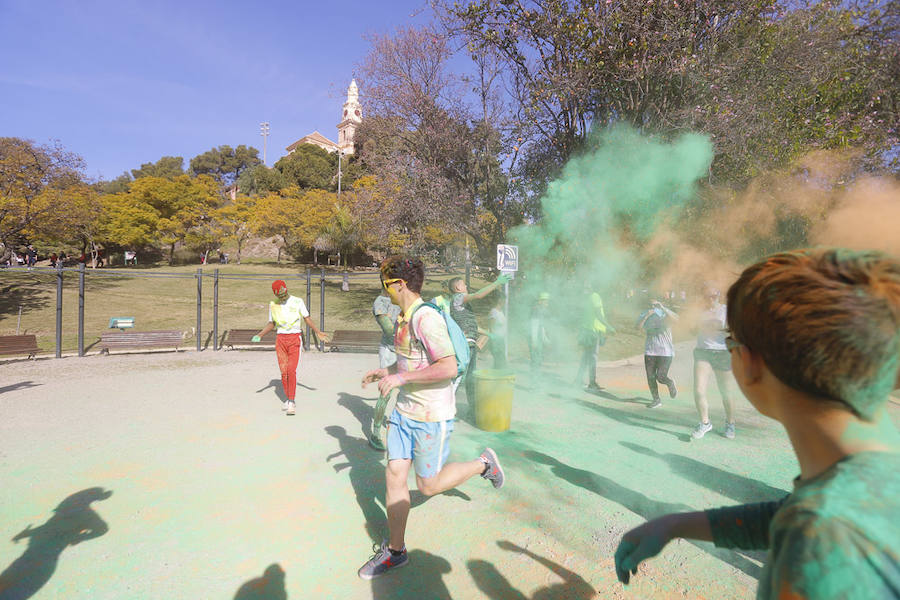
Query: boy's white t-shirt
(288,317)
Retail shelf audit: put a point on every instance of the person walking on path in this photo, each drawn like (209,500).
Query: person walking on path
(462,313)
(420,425)
(286,316)
(658,349)
(711,358)
(815,345)
(386,313)
(537,329)
(591,336)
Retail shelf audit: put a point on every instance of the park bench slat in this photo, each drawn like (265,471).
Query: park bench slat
(140,339)
(345,339)
(242,337)
(19,344)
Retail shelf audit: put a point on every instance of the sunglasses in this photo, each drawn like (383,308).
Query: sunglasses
(731,343)
(387,282)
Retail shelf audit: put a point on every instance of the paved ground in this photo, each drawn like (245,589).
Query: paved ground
(177,476)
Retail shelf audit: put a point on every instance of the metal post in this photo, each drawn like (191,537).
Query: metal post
(80,309)
(468,263)
(19,322)
(308,303)
(340,155)
(59,285)
(216,310)
(199,304)
(506,325)
(322,307)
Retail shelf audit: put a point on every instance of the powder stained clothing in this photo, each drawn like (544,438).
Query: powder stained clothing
(464,316)
(288,317)
(288,347)
(836,536)
(712,325)
(427,402)
(659,335)
(657,370)
(384,306)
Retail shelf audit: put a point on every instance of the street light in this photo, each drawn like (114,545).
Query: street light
(264,132)
(340,155)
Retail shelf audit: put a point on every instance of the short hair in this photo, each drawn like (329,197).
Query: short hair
(826,322)
(451,283)
(408,268)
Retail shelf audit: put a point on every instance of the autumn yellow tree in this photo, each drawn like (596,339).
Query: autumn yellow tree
(297,218)
(235,221)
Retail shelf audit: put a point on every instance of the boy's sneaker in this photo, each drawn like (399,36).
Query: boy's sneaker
(284,405)
(729,430)
(290,408)
(382,562)
(375,442)
(701,430)
(655,404)
(493,472)
(673,391)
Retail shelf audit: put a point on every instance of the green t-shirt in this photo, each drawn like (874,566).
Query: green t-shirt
(837,536)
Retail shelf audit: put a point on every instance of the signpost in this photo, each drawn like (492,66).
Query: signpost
(508,264)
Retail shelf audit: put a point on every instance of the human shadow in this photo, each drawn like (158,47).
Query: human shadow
(73,522)
(279,390)
(18,386)
(360,409)
(610,396)
(366,473)
(494,585)
(270,586)
(423,580)
(634,419)
(638,504)
(737,487)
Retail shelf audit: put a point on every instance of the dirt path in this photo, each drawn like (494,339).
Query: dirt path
(177,476)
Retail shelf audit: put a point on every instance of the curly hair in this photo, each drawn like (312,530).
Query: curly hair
(826,321)
(408,268)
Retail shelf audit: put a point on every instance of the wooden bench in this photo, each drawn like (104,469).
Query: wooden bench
(242,337)
(123,340)
(349,340)
(19,344)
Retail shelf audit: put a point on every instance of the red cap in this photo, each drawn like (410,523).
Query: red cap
(277,285)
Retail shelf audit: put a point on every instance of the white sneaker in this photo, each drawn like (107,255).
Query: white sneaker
(701,430)
(284,405)
(729,430)
(290,408)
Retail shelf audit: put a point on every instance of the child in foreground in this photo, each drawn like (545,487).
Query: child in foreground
(815,345)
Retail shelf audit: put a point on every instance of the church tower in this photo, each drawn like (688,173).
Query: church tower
(352,117)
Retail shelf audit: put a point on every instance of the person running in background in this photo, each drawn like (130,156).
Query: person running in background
(287,316)
(711,358)
(386,313)
(658,349)
(591,336)
(537,329)
(462,313)
(420,425)
(815,345)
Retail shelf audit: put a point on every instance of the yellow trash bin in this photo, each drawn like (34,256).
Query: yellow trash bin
(493,399)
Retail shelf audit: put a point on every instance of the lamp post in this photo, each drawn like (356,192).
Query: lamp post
(264,132)
(340,155)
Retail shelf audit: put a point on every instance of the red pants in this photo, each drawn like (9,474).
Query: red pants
(287,348)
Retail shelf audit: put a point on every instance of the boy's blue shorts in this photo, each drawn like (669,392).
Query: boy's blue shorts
(427,444)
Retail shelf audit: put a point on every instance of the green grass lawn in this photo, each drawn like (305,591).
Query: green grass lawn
(165,297)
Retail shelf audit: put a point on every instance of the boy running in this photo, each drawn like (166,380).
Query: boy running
(815,345)
(419,427)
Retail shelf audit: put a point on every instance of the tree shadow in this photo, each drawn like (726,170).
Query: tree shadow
(638,504)
(18,386)
(422,580)
(366,473)
(270,586)
(737,487)
(634,420)
(494,585)
(12,296)
(73,522)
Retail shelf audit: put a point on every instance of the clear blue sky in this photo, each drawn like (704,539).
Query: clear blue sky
(124,82)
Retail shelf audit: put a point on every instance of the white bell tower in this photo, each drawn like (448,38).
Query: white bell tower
(350,120)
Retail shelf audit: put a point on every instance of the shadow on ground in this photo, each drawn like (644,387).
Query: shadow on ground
(73,522)
(639,504)
(270,586)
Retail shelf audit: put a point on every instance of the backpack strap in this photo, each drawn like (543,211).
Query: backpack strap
(412,329)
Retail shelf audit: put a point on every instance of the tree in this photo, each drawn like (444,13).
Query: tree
(261,180)
(26,171)
(167,167)
(225,163)
(294,216)
(235,220)
(309,167)
(115,186)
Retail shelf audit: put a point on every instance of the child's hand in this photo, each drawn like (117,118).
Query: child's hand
(638,545)
(256,339)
